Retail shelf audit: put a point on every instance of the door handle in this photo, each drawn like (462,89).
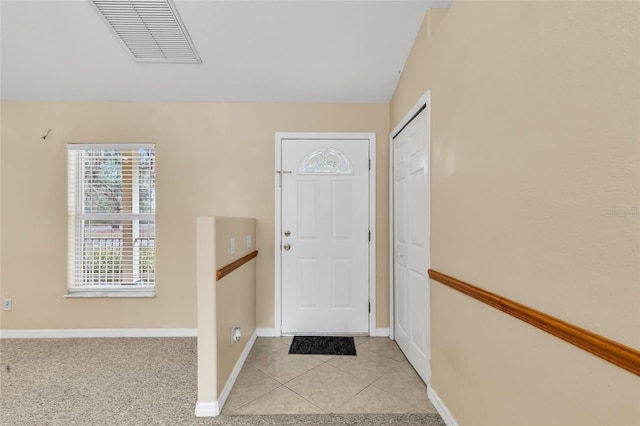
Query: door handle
(287,246)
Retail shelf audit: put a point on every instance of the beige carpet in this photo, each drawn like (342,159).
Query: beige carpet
(128,381)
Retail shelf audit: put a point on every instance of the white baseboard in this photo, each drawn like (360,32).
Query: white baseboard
(213,408)
(222,398)
(267,332)
(98,332)
(442,409)
(271,332)
(207,409)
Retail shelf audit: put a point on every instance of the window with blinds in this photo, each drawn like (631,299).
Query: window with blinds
(112,204)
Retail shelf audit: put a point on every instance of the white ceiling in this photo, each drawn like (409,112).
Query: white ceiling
(252,51)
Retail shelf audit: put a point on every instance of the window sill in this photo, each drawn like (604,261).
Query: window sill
(94,292)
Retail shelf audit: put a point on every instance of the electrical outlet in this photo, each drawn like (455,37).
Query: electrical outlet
(249,242)
(233,246)
(7,304)
(235,334)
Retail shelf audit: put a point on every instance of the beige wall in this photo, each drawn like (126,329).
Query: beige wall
(224,303)
(206,306)
(212,159)
(535,185)
(235,293)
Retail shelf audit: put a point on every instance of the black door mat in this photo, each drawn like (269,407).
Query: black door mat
(322,345)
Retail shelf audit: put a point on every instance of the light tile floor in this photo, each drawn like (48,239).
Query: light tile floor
(378,380)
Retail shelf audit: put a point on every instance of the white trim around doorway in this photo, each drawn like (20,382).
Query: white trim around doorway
(279,137)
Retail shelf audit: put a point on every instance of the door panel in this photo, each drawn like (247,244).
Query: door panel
(341,272)
(411,242)
(325,208)
(308,203)
(308,283)
(340,214)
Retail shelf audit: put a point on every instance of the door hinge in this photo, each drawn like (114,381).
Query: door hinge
(369,307)
(369,236)
(369,163)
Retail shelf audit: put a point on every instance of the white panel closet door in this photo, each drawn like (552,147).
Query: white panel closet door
(411,242)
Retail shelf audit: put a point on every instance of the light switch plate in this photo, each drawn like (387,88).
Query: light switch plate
(233,246)
(249,242)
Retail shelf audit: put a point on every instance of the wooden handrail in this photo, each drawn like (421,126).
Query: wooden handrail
(607,349)
(226,270)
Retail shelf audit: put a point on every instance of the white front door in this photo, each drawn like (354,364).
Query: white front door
(325,236)
(411,242)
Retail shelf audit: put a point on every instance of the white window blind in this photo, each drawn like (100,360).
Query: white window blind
(112,204)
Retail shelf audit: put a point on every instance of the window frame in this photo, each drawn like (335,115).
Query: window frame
(77,217)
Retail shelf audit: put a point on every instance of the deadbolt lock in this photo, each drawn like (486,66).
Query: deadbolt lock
(287,233)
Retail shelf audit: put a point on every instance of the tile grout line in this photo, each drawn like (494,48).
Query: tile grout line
(368,383)
(305,398)
(342,372)
(259,396)
(255,399)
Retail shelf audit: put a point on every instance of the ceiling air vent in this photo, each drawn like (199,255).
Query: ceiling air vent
(151,30)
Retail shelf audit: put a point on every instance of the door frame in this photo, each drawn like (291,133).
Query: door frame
(279,137)
(425,101)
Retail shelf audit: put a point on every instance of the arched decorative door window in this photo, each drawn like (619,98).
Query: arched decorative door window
(326,161)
